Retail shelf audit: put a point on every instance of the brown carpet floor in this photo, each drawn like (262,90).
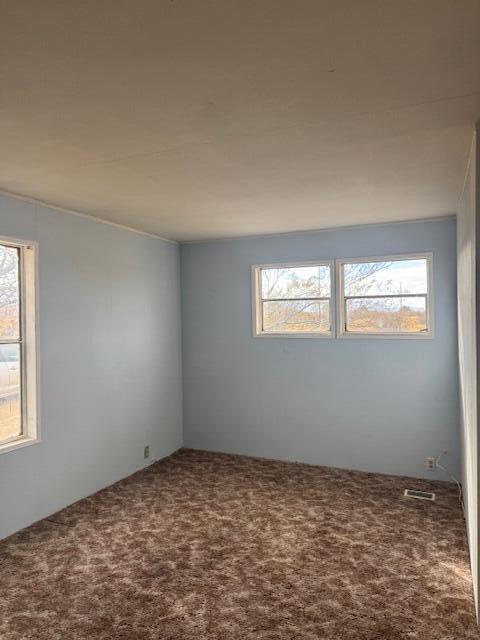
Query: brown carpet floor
(221,547)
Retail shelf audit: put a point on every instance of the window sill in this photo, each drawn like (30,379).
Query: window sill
(294,335)
(18,443)
(386,336)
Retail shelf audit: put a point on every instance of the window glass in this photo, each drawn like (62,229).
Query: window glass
(386,277)
(387,296)
(386,315)
(296,315)
(296,282)
(293,299)
(9,293)
(10,391)
(18,416)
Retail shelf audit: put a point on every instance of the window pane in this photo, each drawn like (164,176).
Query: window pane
(296,316)
(386,315)
(296,282)
(385,278)
(9,293)
(10,405)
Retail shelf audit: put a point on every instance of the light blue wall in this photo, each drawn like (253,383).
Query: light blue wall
(110,364)
(379,405)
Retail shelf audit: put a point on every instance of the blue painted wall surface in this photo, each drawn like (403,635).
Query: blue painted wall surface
(109,360)
(379,405)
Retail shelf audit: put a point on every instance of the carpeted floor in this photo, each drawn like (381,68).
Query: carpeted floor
(213,546)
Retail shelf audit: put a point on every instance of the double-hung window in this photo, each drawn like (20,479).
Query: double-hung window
(375,297)
(18,412)
(388,296)
(293,299)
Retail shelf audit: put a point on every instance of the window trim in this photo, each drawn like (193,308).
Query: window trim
(257,331)
(340,294)
(28,275)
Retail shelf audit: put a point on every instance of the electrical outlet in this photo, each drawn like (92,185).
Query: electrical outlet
(146,451)
(431,464)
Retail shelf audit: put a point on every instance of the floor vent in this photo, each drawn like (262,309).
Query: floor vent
(420,495)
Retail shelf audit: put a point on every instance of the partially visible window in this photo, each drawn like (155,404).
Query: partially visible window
(17,345)
(293,299)
(385,296)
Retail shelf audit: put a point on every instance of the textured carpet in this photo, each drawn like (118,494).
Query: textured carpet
(214,546)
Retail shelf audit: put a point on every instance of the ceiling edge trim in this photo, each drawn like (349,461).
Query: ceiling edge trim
(80,214)
(441,218)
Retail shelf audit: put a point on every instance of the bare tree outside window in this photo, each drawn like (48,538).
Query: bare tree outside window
(295,299)
(10,336)
(384,296)
(18,354)
(388,297)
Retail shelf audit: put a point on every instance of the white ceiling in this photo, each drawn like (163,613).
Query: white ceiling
(202,119)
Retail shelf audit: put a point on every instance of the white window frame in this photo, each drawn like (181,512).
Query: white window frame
(341,316)
(257,302)
(28,270)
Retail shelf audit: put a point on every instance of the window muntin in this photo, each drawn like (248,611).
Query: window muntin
(293,299)
(386,296)
(17,345)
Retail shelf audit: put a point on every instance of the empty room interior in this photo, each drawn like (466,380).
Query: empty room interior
(239,337)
